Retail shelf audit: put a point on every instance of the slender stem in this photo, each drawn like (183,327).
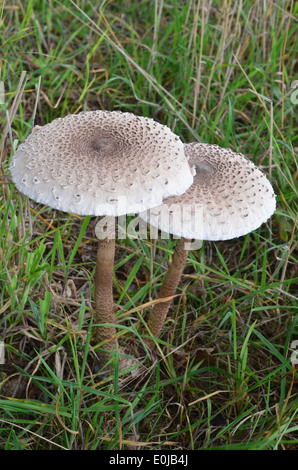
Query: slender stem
(168,288)
(104,302)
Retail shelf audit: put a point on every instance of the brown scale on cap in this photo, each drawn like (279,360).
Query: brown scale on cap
(75,163)
(235,197)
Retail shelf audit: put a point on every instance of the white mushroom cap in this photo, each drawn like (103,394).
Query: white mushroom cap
(230,197)
(101,163)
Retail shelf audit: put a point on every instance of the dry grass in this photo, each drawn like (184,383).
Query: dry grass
(221,375)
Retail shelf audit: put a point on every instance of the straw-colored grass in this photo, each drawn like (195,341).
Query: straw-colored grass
(223,373)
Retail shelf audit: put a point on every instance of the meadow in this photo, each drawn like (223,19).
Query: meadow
(223,374)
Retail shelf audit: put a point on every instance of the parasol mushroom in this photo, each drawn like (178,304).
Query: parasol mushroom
(230,197)
(101,163)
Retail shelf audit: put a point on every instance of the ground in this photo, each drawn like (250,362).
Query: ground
(223,374)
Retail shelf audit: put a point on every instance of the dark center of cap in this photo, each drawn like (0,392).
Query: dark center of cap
(204,170)
(101,143)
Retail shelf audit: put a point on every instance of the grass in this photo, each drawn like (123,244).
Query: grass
(222,376)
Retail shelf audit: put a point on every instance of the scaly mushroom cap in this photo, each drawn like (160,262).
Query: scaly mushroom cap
(101,163)
(230,197)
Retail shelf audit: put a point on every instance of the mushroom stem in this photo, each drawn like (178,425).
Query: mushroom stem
(168,288)
(104,302)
